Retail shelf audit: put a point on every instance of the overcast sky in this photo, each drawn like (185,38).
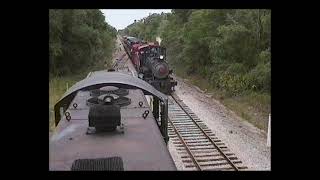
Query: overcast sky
(121,18)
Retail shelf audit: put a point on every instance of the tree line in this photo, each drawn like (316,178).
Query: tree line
(230,48)
(78,39)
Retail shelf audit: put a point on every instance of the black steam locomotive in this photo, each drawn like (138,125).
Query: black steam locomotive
(150,62)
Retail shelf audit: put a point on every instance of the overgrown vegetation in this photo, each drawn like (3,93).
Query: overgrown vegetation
(229,49)
(57,87)
(80,41)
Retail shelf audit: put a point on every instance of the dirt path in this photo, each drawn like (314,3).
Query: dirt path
(118,50)
(245,140)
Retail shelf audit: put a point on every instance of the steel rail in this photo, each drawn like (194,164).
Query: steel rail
(207,136)
(187,148)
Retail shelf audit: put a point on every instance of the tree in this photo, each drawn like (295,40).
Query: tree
(228,47)
(78,39)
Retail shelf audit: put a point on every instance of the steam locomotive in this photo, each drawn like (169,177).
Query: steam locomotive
(105,121)
(149,60)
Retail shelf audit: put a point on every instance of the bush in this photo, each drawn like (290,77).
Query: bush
(260,77)
(78,39)
(236,68)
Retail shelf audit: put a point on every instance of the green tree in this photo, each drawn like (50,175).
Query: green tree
(78,39)
(228,47)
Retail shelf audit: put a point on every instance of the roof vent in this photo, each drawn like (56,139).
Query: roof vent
(104,118)
(104,113)
(109,90)
(108,99)
(100,164)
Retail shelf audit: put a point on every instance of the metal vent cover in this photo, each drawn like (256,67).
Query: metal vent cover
(104,117)
(121,101)
(99,164)
(119,92)
(109,88)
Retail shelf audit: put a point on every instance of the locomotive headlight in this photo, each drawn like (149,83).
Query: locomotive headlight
(161,57)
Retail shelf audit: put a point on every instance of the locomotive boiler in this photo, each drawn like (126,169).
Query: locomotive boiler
(154,69)
(157,67)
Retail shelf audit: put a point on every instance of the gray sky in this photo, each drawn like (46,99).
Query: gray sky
(121,18)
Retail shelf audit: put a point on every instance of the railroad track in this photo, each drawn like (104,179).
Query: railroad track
(120,63)
(196,144)
(198,147)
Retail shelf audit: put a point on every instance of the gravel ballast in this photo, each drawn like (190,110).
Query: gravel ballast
(245,140)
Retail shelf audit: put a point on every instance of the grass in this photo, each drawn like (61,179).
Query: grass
(58,86)
(253,107)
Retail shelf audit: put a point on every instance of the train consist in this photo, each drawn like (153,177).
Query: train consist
(149,60)
(104,122)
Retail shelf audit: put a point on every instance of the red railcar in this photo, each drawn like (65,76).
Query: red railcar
(135,55)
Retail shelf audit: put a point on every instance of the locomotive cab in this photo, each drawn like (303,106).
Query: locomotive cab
(157,52)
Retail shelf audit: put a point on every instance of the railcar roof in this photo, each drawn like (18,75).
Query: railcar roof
(102,78)
(141,146)
(133,39)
